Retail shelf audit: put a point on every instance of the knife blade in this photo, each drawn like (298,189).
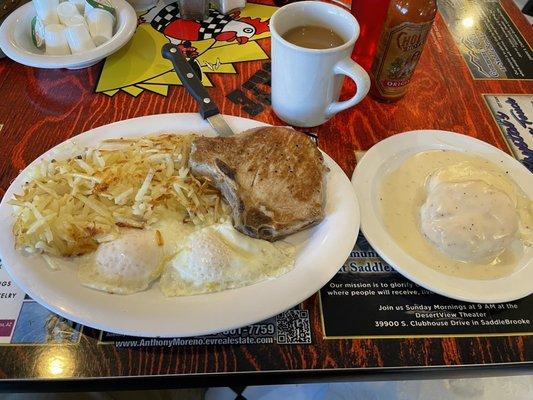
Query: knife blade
(208,109)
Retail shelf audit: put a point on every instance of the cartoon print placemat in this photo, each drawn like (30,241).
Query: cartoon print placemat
(212,46)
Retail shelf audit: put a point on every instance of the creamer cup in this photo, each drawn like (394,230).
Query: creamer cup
(78,38)
(56,42)
(77,20)
(65,11)
(37,33)
(47,11)
(80,5)
(101,4)
(100,25)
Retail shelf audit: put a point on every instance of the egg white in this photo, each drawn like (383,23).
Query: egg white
(218,257)
(125,265)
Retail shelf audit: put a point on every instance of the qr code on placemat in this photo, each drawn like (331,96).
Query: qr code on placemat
(293,327)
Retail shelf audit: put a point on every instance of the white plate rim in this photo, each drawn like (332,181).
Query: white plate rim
(269,300)
(123,34)
(509,288)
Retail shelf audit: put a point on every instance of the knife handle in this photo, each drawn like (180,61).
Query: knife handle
(192,83)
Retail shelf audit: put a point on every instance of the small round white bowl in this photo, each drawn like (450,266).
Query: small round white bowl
(16,43)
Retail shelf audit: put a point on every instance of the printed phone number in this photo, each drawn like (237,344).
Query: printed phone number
(252,330)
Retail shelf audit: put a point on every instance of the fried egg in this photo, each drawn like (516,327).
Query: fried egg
(218,257)
(125,265)
(187,259)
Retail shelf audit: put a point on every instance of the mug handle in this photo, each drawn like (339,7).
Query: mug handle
(354,71)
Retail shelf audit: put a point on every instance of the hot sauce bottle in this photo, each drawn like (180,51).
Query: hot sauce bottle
(402,39)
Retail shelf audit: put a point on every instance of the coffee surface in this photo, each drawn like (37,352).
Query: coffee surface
(313,37)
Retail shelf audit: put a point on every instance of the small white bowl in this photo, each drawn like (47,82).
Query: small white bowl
(16,43)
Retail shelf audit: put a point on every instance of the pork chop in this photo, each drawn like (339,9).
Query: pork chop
(272,177)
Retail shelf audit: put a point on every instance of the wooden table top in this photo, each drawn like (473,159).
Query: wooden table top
(41,108)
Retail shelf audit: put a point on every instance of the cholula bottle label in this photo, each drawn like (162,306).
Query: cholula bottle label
(397,57)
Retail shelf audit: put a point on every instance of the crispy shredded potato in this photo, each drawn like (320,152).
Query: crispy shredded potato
(72,205)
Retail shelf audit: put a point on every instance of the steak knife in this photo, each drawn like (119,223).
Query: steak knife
(208,108)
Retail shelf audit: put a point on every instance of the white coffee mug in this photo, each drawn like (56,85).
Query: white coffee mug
(306,83)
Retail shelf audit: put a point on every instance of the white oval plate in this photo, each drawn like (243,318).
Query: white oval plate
(16,43)
(321,251)
(388,155)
